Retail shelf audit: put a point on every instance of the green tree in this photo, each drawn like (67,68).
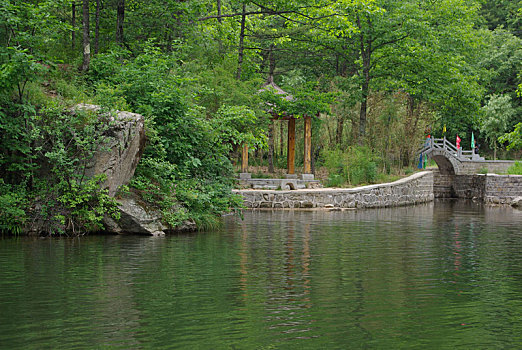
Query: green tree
(494,122)
(513,138)
(503,14)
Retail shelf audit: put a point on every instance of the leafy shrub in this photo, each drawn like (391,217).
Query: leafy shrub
(43,179)
(515,169)
(334,161)
(335,180)
(13,201)
(71,207)
(514,138)
(185,171)
(356,165)
(106,67)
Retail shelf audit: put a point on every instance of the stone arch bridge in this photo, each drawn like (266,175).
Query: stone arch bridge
(453,161)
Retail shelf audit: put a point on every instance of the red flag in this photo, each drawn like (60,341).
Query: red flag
(458,142)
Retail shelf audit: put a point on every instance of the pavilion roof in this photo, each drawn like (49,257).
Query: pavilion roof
(271,86)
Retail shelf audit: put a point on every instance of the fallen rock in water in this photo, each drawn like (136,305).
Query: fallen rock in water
(137,218)
(517,202)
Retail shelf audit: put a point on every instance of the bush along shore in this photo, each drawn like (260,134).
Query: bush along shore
(88,170)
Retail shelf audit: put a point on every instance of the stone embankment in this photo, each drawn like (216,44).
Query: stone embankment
(472,167)
(415,189)
(490,188)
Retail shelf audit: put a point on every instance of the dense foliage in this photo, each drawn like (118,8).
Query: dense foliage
(379,74)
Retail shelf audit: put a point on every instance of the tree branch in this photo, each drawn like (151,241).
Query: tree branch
(376,47)
(268,12)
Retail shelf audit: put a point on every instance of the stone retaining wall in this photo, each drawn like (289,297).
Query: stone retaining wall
(415,189)
(469,186)
(491,188)
(486,166)
(278,184)
(443,185)
(502,189)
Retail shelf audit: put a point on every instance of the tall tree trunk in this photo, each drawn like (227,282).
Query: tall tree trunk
(494,149)
(271,147)
(218,5)
(271,61)
(241,47)
(97,27)
(271,133)
(339,133)
(73,25)
(387,152)
(365,50)
(168,38)
(86,39)
(238,77)
(413,116)
(281,139)
(363,111)
(119,21)
(221,48)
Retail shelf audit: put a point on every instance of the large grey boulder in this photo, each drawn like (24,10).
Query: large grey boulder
(138,218)
(119,156)
(134,218)
(517,202)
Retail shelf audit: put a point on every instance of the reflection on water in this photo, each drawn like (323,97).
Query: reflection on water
(441,275)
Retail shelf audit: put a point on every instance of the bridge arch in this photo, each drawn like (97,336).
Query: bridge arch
(445,166)
(447,163)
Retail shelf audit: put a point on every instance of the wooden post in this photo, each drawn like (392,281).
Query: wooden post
(244,159)
(307,145)
(290,160)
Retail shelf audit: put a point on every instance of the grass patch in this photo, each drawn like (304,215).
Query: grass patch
(515,169)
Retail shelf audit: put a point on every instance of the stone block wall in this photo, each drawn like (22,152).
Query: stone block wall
(415,189)
(490,166)
(469,186)
(491,188)
(278,184)
(443,185)
(502,189)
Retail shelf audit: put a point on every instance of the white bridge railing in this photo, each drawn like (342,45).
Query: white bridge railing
(432,144)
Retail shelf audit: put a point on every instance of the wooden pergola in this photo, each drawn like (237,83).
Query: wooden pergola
(290,160)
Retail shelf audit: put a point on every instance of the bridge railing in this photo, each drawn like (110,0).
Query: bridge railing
(444,144)
(466,154)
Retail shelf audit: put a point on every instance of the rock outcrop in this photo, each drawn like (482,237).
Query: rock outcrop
(119,157)
(517,203)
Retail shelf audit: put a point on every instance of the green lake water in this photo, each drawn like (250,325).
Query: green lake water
(445,275)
